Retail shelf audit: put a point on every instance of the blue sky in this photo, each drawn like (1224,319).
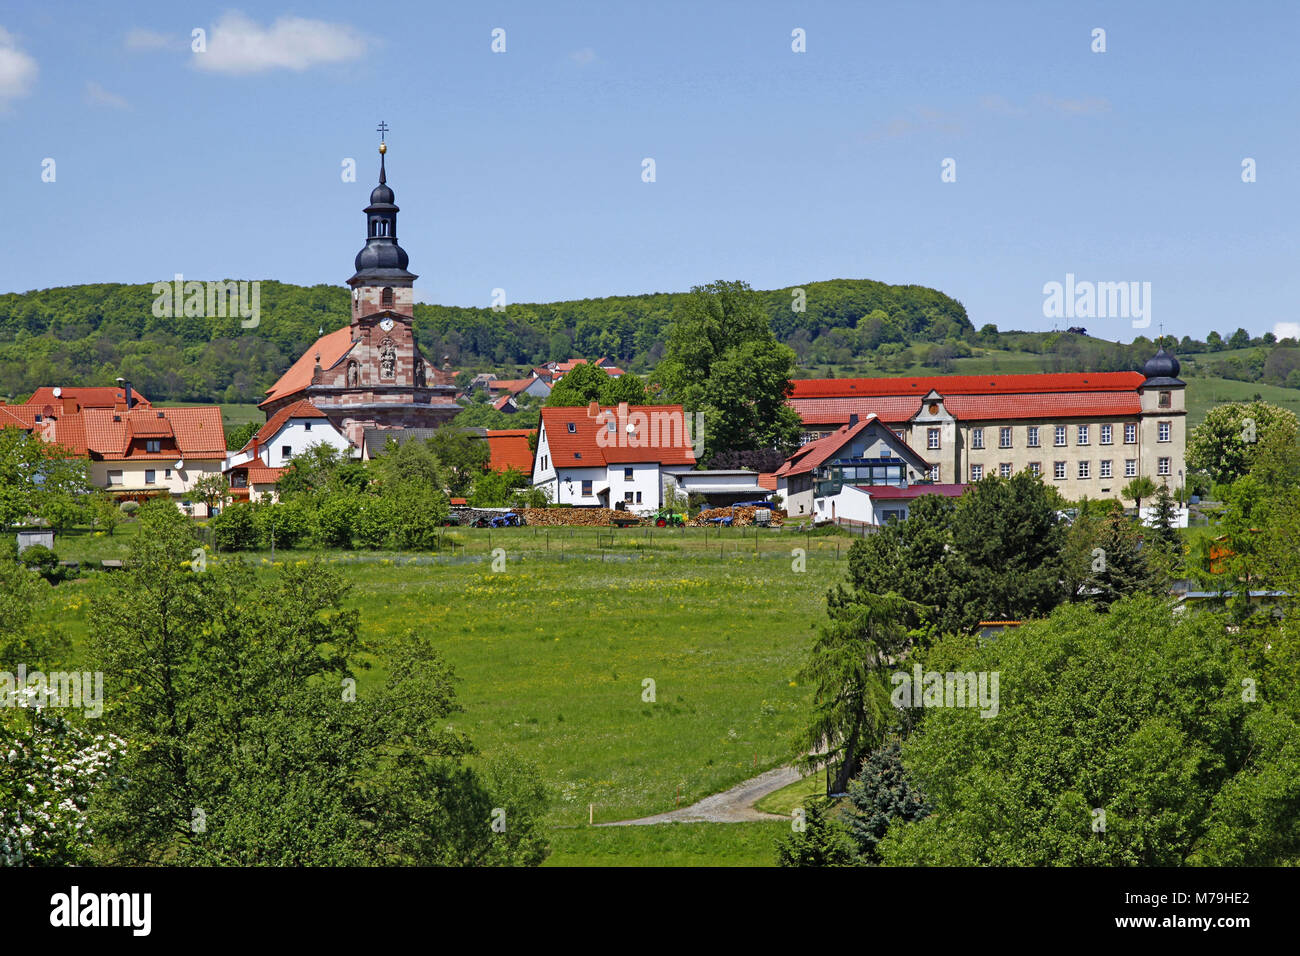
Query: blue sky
(522,170)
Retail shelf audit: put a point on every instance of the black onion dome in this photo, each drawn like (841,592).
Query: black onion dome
(1161,365)
(381,195)
(380,254)
(1162,368)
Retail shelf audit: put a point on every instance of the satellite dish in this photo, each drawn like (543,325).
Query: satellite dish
(180,463)
(631,429)
(58,392)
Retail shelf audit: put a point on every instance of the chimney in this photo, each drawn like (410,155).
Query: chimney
(593,409)
(130,400)
(853,419)
(622,411)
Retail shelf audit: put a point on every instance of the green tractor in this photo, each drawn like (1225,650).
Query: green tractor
(663,518)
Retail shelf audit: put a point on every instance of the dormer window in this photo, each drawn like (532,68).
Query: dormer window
(153,445)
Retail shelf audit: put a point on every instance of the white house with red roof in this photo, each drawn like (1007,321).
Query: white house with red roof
(1085,433)
(254,469)
(603,456)
(865,452)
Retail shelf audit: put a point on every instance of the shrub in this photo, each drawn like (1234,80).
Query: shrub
(129,508)
(335,517)
(235,528)
(418,513)
(41,559)
(284,524)
(374,522)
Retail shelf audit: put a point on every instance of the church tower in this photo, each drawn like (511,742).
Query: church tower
(382,281)
(371,374)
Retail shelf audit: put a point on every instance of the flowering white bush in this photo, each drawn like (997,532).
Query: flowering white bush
(48,768)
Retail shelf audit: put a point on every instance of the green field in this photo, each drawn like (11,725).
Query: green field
(232,415)
(668,844)
(553,653)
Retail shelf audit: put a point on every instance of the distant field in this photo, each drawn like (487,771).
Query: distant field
(232,415)
(1204,393)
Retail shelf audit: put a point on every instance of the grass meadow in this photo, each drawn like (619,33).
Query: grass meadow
(554,651)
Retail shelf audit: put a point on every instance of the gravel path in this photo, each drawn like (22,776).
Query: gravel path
(731,806)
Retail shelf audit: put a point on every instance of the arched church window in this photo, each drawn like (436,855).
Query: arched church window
(386,298)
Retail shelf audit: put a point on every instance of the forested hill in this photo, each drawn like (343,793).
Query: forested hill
(90,334)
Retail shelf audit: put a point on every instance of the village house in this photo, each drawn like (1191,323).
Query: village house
(254,469)
(861,452)
(603,457)
(135,451)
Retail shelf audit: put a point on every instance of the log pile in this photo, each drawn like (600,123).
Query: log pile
(562,517)
(742,517)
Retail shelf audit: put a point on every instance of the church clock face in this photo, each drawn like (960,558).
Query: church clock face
(386,325)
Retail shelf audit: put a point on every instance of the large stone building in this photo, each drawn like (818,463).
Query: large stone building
(371,373)
(1087,433)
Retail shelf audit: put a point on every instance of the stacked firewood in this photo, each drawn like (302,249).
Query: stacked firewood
(584,517)
(741,516)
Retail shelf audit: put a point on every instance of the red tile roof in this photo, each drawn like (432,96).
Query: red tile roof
(91,396)
(501,403)
(68,431)
(512,385)
(897,409)
(1085,405)
(767,480)
(660,437)
(945,385)
(302,409)
(260,474)
(331,348)
(815,453)
(836,411)
(197,432)
(510,449)
(895,493)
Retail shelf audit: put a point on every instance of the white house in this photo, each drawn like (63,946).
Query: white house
(875,504)
(600,457)
(292,430)
(865,452)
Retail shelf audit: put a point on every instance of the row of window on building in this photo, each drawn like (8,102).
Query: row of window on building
(1060,469)
(1060,435)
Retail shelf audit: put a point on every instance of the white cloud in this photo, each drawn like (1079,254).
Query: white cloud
(140,39)
(96,95)
(1287,330)
(17,69)
(584,56)
(238,45)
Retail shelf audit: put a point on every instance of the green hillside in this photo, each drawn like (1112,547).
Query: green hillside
(91,334)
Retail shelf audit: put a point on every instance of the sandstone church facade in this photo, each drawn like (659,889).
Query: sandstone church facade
(371,373)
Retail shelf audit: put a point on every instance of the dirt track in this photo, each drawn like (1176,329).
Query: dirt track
(731,806)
